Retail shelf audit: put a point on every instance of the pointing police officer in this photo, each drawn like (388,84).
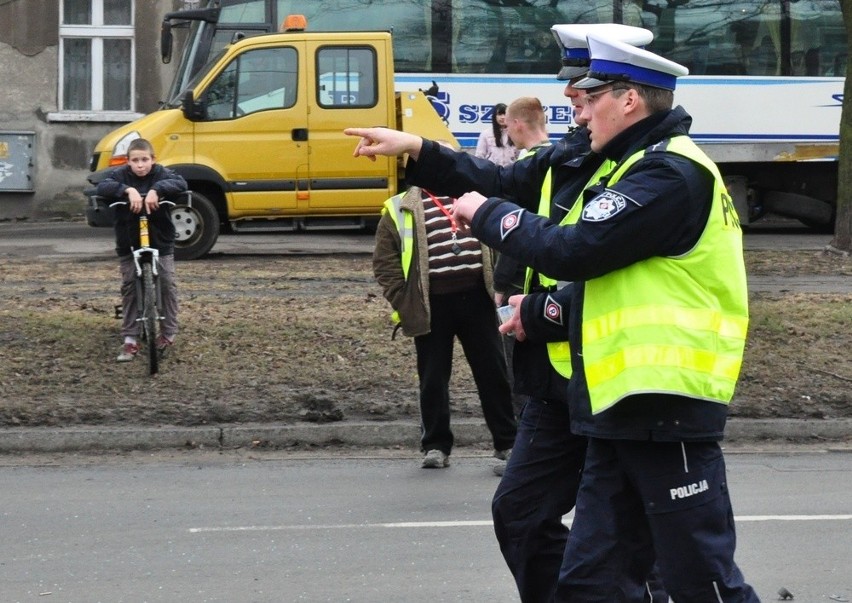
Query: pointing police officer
(658,326)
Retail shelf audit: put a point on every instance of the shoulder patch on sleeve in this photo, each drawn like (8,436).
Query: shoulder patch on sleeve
(510,222)
(604,206)
(553,311)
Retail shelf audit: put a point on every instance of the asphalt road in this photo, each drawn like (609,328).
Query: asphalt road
(243,527)
(76,239)
(51,239)
(255,526)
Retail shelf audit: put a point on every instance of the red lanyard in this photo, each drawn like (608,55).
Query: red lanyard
(456,249)
(453,226)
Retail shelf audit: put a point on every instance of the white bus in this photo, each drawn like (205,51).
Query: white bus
(765,87)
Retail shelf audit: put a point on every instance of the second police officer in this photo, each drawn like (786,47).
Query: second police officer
(542,476)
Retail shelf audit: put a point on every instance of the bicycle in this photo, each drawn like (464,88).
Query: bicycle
(148,294)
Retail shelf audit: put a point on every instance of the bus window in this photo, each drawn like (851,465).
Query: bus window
(410,22)
(487,38)
(346,77)
(711,37)
(735,37)
(245,11)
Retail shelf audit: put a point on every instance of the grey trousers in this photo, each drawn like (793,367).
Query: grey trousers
(130,305)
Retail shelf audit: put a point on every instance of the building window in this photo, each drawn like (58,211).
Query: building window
(96,49)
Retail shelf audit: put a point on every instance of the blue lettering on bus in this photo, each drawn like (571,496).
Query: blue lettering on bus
(471,114)
(441,103)
(561,114)
(468,114)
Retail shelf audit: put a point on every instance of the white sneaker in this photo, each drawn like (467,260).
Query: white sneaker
(435,459)
(128,352)
(503,455)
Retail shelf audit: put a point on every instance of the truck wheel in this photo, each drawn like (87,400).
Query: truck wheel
(815,213)
(196,228)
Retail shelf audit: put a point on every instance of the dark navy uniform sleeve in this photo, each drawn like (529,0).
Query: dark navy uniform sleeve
(544,315)
(659,207)
(454,173)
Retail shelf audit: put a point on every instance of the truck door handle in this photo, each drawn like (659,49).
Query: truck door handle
(299,134)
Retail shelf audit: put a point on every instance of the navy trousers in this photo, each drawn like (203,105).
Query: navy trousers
(644,500)
(538,488)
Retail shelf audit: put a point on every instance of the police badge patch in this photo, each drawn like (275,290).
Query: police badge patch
(553,311)
(510,222)
(604,206)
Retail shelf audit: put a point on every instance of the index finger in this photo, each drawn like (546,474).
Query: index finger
(363,132)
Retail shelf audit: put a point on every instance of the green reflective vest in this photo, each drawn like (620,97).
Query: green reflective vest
(671,325)
(559,352)
(404,222)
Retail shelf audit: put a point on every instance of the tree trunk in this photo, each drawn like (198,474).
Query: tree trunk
(843,226)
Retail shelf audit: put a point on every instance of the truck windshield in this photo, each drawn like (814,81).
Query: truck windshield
(175,101)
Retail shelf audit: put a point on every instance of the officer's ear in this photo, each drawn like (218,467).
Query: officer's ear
(632,101)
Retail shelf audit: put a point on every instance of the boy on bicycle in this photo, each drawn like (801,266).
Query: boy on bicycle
(143,183)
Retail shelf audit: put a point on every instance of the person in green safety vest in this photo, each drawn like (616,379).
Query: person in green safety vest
(440,286)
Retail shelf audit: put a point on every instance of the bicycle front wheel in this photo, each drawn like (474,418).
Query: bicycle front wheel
(150,318)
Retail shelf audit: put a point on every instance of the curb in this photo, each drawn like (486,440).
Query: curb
(369,434)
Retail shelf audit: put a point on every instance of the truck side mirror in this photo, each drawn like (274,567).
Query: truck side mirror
(166,41)
(193,110)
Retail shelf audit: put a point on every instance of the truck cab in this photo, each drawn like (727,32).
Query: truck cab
(258,135)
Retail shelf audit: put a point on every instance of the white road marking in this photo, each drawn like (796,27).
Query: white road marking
(467,524)
(793,518)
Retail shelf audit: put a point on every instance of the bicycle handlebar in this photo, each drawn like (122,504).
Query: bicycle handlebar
(162,202)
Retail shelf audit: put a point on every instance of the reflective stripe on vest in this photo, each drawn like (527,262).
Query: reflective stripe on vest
(672,325)
(404,222)
(559,352)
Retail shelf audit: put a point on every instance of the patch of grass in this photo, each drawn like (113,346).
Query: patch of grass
(308,338)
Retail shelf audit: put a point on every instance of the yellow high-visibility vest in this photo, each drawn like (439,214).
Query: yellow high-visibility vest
(671,325)
(559,352)
(404,222)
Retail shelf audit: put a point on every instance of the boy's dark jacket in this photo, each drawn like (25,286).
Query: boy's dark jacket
(168,184)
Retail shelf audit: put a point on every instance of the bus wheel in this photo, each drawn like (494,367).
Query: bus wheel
(196,228)
(812,212)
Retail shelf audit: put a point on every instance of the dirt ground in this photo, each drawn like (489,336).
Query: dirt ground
(307,338)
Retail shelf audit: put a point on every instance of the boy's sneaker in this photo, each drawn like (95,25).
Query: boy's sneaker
(163,344)
(128,352)
(435,459)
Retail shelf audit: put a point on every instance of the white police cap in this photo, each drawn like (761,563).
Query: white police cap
(615,61)
(575,49)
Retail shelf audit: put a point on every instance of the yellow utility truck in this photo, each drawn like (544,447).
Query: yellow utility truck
(258,135)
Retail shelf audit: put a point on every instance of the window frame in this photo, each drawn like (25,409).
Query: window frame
(97,32)
(374,75)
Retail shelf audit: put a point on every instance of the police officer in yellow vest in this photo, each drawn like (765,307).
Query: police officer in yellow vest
(657,328)
(543,473)
(526,124)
